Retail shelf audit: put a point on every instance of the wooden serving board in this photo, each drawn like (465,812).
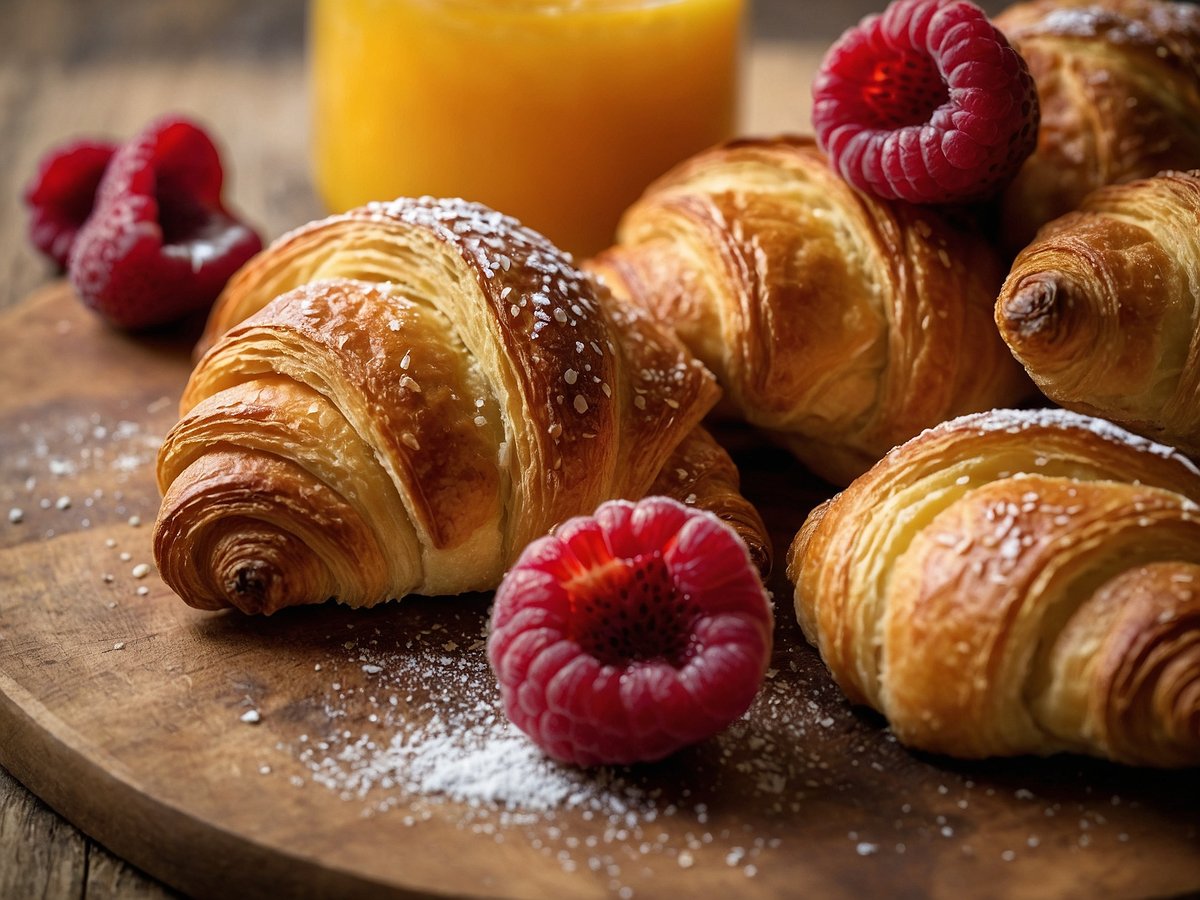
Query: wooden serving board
(380,763)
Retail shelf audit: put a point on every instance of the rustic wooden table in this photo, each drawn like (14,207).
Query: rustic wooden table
(73,68)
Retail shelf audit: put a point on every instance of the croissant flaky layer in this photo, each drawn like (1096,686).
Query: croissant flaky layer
(1119,86)
(1012,583)
(838,323)
(399,399)
(1103,309)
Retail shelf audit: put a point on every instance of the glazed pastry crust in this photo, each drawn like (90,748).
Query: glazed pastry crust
(365,439)
(701,474)
(839,324)
(1015,582)
(1119,87)
(1103,309)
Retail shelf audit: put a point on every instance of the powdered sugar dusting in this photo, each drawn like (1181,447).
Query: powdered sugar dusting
(1017,420)
(1092,21)
(442,734)
(503,768)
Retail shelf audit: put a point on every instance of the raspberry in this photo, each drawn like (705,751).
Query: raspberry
(630,634)
(159,245)
(926,102)
(61,194)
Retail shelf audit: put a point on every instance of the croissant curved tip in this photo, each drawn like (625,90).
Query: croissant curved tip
(250,587)
(1035,309)
(231,562)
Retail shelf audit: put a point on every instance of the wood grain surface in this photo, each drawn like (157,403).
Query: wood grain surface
(326,751)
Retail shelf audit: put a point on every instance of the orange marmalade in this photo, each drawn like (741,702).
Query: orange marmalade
(558,112)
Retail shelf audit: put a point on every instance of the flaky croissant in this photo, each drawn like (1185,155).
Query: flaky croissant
(433,387)
(1119,86)
(1103,309)
(840,324)
(1015,582)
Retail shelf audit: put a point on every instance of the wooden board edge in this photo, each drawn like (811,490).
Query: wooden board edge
(158,838)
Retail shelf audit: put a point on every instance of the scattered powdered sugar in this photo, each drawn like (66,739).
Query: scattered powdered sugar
(442,732)
(413,730)
(418,732)
(79,443)
(74,470)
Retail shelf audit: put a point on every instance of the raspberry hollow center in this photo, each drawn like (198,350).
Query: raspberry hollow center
(903,90)
(631,611)
(180,220)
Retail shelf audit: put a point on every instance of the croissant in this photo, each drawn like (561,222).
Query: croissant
(1102,309)
(839,324)
(1015,582)
(413,427)
(1119,87)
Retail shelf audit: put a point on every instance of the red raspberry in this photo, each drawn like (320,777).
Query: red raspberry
(630,634)
(61,194)
(159,244)
(926,102)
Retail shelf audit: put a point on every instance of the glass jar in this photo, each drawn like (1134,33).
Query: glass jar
(558,112)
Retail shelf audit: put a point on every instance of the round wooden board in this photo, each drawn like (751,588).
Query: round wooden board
(380,763)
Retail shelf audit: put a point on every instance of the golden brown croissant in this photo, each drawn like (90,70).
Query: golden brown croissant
(1119,86)
(840,324)
(1015,582)
(1103,309)
(412,432)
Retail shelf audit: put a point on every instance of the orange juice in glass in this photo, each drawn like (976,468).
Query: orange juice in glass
(558,112)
